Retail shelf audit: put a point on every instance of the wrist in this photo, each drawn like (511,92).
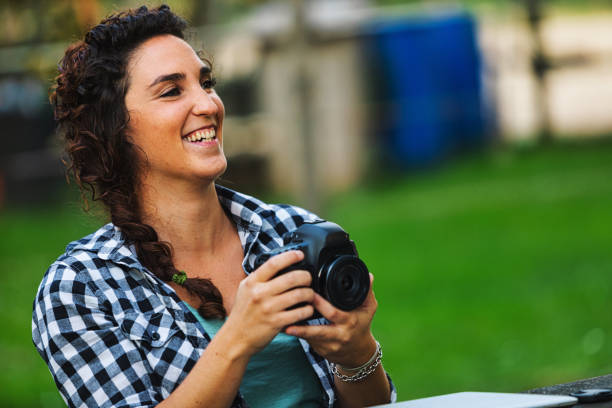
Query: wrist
(360,354)
(359,373)
(235,348)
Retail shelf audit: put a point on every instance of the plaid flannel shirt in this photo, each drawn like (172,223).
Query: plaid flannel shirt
(113,334)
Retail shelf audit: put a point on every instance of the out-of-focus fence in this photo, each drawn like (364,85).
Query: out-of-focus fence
(349,88)
(30,169)
(578,85)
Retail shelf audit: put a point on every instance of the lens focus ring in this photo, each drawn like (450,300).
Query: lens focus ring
(346,282)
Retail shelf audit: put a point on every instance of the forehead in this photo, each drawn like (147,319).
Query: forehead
(162,55)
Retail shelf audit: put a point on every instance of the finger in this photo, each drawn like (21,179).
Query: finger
(275,264)
(318,332)
(292,298)
(289,280)
(292,316)
(328,311)
(370,297)
(370,301)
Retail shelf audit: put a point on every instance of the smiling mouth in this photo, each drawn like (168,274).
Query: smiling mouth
(202,135)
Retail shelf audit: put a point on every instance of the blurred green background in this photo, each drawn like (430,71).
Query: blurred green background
(492,273)
(492,263)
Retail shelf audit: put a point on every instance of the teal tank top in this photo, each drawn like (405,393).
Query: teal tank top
(279,375)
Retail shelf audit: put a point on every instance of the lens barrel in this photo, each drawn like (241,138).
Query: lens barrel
(344,281)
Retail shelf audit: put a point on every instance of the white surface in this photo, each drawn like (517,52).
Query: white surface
(487,400)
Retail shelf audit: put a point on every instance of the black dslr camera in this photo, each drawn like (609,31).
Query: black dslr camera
(331,258)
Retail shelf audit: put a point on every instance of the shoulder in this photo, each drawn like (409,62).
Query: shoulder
(95,283)
(84,253)
(87,264)
(288,216)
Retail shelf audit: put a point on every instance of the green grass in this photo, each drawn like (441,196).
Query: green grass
(492,273)
(30,240)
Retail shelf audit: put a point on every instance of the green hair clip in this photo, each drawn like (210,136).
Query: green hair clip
(179,277)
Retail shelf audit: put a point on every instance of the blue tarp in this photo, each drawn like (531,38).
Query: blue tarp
(430,101)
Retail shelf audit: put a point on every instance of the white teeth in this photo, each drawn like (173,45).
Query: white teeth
(207,135)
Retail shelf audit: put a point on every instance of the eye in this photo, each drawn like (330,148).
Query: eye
(175,91)
(209,83)
(171,92)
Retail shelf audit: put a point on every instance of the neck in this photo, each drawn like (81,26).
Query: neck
(190,218)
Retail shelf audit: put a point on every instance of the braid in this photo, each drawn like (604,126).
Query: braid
(89,106)
(156,256)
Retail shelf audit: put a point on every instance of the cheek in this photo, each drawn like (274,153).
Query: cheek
(220,106)
(156,124)
(134,130)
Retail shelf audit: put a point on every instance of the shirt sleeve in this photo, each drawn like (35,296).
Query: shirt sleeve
(393,389)
(92,362)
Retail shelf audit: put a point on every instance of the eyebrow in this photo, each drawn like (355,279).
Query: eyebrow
(178,76)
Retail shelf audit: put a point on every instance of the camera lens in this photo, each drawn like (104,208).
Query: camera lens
(345,282)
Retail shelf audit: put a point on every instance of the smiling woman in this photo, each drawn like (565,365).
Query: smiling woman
(176,117)
(163,305)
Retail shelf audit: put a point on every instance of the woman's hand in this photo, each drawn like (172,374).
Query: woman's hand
(258,314)
(347,341)
(260,309)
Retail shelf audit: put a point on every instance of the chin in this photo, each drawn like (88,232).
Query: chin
(222,172)
(217,170)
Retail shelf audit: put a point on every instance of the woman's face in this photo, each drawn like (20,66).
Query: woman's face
(176,117)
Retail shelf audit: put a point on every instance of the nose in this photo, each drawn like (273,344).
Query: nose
(204,104)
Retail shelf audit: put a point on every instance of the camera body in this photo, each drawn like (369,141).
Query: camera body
(330,256)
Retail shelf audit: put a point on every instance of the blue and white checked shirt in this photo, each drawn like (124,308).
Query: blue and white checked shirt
(113,334)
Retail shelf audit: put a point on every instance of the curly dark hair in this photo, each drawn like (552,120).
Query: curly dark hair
(88,98)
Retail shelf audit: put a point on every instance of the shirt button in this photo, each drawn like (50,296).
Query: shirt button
(155,336)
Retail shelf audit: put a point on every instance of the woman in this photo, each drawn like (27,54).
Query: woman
(155,308)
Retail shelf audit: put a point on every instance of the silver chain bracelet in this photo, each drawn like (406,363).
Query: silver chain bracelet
(363,370)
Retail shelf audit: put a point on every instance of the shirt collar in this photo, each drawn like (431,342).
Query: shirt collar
(241,208)
(109,242)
